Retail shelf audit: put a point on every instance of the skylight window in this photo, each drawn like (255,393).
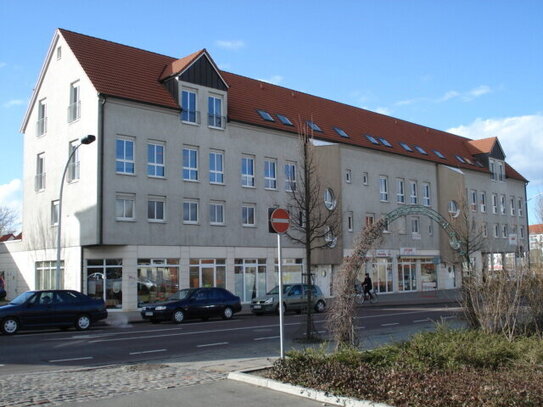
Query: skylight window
(421,150)
(439,154)
(385,142)
(285,120)
(479,164)
(265,115)
(460,159)
(313,125)
(372,139)
(406,147)
(468,161)
(341,132)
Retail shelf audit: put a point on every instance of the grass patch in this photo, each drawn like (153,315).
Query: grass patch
(442,368)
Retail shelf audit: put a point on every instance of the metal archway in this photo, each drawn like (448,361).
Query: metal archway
(435,216)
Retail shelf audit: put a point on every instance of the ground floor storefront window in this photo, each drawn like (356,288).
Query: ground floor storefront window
(249,278)
(157,279)
(207,273)
(428,275)
(104,280)
(291,269)
(407,274)
(380,271)
(46,275)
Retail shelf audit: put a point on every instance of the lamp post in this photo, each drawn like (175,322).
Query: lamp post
(85,140)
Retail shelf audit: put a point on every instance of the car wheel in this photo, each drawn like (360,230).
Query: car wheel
(178,316)
(82,323)
(320,306)
(10,326)
(227,313)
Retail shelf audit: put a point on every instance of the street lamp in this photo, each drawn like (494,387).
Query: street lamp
(85,140)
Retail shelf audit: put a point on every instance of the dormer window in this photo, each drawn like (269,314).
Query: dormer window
(189,113)
(214,112)
(496,169)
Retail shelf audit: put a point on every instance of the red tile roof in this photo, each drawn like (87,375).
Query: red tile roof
(7,237)
(536,229)
(131,73)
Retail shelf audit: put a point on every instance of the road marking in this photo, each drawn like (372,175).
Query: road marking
(2,365)
(416,321)
(266,338)
(212,344)
(391,324)
(448,317)
(147,351)
(70,360)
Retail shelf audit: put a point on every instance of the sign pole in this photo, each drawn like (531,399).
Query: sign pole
(280,261)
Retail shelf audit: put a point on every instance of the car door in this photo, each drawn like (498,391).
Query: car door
(216,301)
(295,297)
(39,310)
(199,303)
(66,307)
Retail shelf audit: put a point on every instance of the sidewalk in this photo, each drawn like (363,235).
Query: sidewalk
(394,299)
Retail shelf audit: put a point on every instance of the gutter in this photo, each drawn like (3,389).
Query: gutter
(100,199)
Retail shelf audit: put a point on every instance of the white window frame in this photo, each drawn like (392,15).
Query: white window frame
(369,219)
(74,106)
(415,227)
(157,202)
(383,188)
(128,202)
(188,211)
(350,224)
(520,208)
(512,205)
(484,229)
(496,230)
(39,183)
(190,164)
(248,215)
(156,165)
(400,190)
(41,128)
(74,165)
(426,194)
(473,200)
(217,174)
(413,192)
(248,171)
(270,173)
(495,204)
(290,176)
(503,201)
(482,201)
(215,213)
(189,114)
(504,231)
(215,119)
(124,160)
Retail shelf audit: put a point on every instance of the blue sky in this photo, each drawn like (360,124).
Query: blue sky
(471,67)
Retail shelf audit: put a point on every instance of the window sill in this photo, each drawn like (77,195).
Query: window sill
(216,128)
(218,224)
(130,174)
(249,226)
(190,123)
(156,220)
(248,186)
(130,220)
(156,177)
(270,189)
(74,121)
(191,223)
(217,183)
(195,181)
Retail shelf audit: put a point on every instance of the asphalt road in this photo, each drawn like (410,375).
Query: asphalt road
(243,336)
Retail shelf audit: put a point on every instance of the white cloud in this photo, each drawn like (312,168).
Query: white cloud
(383,110)
(13,102)
(520,137)
(274,79)
(10,197)
(479,91)
(231,45)
(448,95)
(466,96)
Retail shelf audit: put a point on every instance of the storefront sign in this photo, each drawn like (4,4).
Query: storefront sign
(408,251)
(513,239)
(382,253)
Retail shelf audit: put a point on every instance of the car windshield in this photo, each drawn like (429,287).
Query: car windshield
(22,298)
(181,294)
(275,290)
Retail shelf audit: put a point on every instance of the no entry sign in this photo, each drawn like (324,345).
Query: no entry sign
(279,220)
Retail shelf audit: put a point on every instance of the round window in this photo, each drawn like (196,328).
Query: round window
(329,199)
(453,209)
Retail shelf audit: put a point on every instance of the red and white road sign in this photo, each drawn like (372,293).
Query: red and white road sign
(280,220)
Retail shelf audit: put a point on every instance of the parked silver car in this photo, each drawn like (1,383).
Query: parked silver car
(294,299)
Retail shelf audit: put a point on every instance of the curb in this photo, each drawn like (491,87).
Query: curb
(317,395)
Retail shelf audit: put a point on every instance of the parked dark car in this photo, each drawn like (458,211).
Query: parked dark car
(294,299)
(200,303)
(51,308)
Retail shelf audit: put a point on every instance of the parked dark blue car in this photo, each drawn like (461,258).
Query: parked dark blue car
(51,308)
(200,303)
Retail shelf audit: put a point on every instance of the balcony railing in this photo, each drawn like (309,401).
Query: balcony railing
(74,111)
(190,116)
(73,171)
(216,121)
(42,126)
(39,182)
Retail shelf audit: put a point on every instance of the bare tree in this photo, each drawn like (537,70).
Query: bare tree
(312,225)
(8,217)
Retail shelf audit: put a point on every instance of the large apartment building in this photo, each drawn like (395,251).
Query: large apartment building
(187,160)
